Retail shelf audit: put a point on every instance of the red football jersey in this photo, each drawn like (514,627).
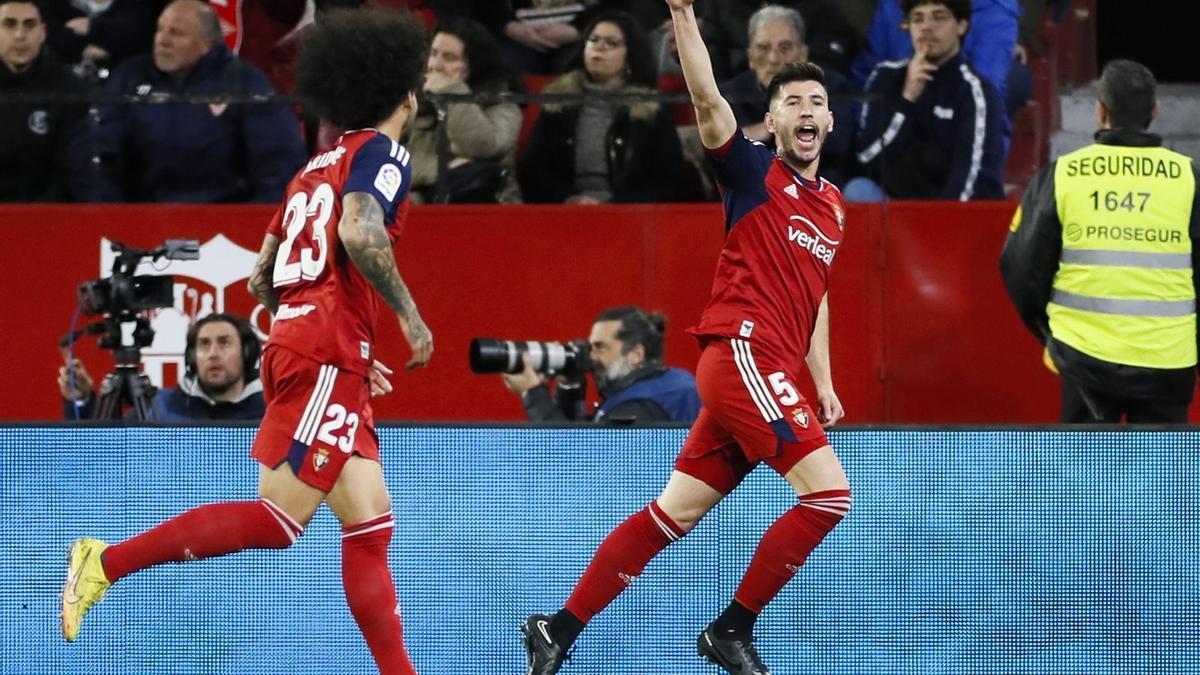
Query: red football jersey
(327,309)
(782,233)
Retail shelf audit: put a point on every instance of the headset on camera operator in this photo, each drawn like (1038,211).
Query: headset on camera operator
(220,381)
(625,353)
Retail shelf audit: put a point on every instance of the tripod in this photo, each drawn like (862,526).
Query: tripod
(126,385)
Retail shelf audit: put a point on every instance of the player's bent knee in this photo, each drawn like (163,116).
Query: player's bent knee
(829,507)
(681,519)
(844,502)
(819,471)
(668,523)
(289,528)
(686,500)
(688,521)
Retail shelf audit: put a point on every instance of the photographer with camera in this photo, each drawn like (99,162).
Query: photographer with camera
(624,354)
(220,381)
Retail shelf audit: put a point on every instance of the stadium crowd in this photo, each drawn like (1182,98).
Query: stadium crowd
(93,95)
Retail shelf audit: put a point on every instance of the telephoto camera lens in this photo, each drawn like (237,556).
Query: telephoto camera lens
(489,355)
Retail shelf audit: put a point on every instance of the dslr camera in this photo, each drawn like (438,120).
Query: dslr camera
(569,359)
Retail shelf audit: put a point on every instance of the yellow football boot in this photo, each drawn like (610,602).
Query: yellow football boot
(85,586)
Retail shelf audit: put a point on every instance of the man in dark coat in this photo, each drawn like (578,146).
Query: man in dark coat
(37,133)
(207,152)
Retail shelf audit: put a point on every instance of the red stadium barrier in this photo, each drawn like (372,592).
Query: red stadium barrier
(922,332)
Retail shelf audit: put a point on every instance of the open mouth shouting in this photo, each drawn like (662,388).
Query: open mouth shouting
(806,136)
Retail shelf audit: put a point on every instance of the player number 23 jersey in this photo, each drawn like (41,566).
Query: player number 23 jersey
(327,309)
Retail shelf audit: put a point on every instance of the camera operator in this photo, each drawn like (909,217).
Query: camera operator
(220,382)
(626,360)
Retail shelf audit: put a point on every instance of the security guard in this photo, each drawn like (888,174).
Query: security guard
(1100,263)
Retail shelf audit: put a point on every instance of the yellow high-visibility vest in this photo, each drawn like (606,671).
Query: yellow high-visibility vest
(1123,292)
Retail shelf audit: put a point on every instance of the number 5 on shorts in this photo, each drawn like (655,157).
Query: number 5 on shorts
(337,419)
(783,389)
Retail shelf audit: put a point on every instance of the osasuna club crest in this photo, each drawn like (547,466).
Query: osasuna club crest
(800,416)
(320,458)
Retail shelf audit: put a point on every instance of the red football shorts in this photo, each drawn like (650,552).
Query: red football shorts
(752,412)
(317,416)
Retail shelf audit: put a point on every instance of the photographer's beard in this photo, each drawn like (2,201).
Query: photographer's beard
(611,373)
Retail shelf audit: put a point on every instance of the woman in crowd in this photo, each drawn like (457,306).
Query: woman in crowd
(600,150)
(480,143)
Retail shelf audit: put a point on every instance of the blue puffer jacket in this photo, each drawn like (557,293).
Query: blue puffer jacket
(195,152)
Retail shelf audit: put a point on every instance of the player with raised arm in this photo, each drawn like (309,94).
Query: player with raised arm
(768,316)
(325,263)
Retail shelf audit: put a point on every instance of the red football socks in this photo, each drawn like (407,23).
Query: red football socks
(620,559)
(371,594)
(203,532)
(786,545)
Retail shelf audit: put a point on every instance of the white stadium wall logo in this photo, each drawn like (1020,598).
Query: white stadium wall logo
(201,288)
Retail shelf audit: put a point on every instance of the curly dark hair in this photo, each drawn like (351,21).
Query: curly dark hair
(486,66)
(357,65)
(638,58)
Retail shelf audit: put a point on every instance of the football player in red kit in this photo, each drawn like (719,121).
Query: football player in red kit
(325,265)
(768,316)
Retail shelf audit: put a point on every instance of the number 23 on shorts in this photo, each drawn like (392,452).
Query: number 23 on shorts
(338,427)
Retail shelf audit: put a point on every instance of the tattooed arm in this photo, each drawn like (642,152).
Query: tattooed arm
(362,232)
(261,285)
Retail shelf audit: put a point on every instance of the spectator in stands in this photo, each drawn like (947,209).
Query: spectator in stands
(538,36)
(989,47)
(831,39)
(266,34)
(100,33)
(776,38)
(194,152)
(480,138)
(542,34)
(600,149)
(666,52)
(220,381)
(932,127)
(626,350)
(37,137)
(1019,87)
